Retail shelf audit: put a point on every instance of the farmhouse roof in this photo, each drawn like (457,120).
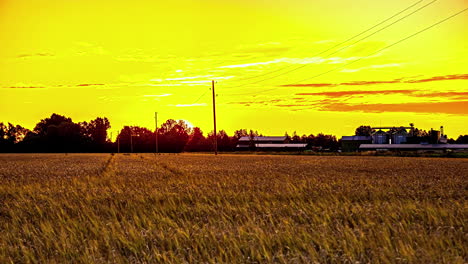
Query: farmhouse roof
(413,146)
(291,145)
(356,138)
(283,138)
(270,145)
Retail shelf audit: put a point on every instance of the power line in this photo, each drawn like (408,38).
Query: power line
(361,39)
(336,45)
(389,46)
(378,24)
(339,44)
(391,24)
(378,51)
(201,96)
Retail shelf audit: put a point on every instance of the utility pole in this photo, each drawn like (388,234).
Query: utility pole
(118,143)
(156,124)
(131,141)
(214,116)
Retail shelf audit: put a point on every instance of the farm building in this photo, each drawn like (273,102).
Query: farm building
(268,144)
(414,147)
(352,143)
(395,138)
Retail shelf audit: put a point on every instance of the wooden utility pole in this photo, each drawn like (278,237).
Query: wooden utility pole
(118,143)
(156,124)
(131,141)
(214,117)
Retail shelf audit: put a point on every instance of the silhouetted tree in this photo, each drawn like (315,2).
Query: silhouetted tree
(364,131)
(241,133)
(60,134)
(136,139)
(237,135)
(197,142)
(252,136)
(42,127)
(310,139)
(295,138)
(288,138)
(224,141)
(173,135)
(462,139)
(326,141)
(55,134)
(10,135)
(96,130)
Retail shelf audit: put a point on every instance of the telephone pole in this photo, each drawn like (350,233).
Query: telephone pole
(118,143)
(214,116)
(131,141)
(156,124)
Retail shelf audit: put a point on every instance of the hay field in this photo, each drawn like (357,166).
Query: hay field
(145,208)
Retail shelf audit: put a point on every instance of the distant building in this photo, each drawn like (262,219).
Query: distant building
(397,138)
(352,143)
(414,147)
(380,137)
(268,144)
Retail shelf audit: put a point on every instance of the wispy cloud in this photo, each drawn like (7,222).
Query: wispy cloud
(183,78)
(373,67)
(23,87)
(352,93)
(90,84)
(458,107)
(414,93)
(68,86)
(251,64)
(454,95)
(39,54)
(162,84)
(156,95)
(262,102)
(196,82)
(455,107)
(449,102)
(441,78)
(188,105)
(365,83)
(306,60)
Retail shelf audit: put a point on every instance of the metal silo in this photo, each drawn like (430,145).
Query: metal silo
(399,137)
(380,137)
(434,136)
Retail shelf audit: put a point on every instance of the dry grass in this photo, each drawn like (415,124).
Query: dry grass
(84,208)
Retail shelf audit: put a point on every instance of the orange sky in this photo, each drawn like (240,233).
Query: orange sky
(127,59)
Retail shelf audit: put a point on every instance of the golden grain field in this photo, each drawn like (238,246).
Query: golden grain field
(189,208)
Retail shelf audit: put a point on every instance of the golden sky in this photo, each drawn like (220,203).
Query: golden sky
(278,64)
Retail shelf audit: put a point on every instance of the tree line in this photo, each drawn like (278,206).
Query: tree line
(59,133)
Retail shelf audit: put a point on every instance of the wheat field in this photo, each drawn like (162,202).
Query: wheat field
(198,208)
